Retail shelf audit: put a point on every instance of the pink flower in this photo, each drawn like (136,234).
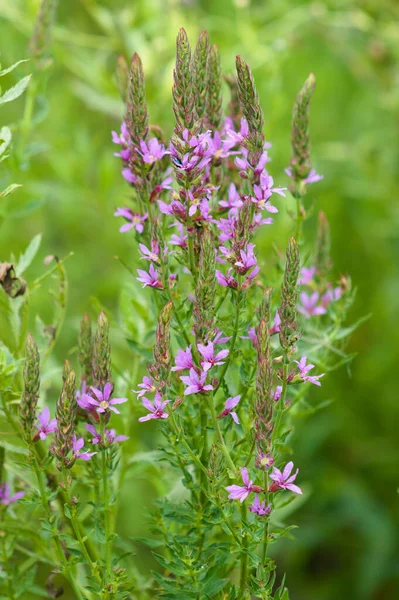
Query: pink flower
(260,509)
(151,278)
(156,410)
(307,275)
(234,201)
(284,480)
(102,401)
(5,495)
(179,240)
(228,409)
(109,435)
(183,360)
(77,445)
(239,492)
(264,461)
(45,426)
(153,254)
(332,295)
(264,191)
(147,385)
(247,259)
(244,165)
(152,151)
(277,393)
(208,354)
(129,176)
(219,339)
(276,324)
(226,280)
(135,219)
(195,383)
(309,306)
(313,177)
(304,370)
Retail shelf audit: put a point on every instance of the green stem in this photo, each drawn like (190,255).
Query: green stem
(233,340)
(222,443)
(244,554)
(266,528)
(10,587)
(107,522)
(280,404)
(181,438)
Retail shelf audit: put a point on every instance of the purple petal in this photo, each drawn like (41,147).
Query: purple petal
(98,393)
(107,390)
(244,475)
(118,400)
(234,417)
(232,402)
(287,470)
(294,488)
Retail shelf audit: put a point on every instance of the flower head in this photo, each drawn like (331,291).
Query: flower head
(183,360)
(77,445)
(151,278)
(195,383)
(134,219)
(234,201)
(304,370)
(45,425)
(5,497)
(306,275)
(179,239)
(260,509)
(102,400)
(284,480)
(147,385)
(152,151)
(228,409)
(156,409)
(109,435)
(309,306)
(240,492)
(210,358)
(247,259)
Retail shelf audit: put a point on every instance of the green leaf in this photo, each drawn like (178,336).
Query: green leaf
(27,257)
(10,189)
(14,66)
(67,512)
(5,138)
(16,91)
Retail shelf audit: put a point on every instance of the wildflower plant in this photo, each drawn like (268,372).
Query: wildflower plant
(237,348)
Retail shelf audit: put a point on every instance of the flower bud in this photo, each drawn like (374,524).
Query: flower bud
(183,92)
(102,353)
(136,108)
(300,161)
(289,299)
(85,347)
(205,291)
(200,73)
(214,92)
(162,355)
(65,413)
(249,102)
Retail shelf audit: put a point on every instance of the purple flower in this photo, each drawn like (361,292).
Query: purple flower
(239,492)
(148,254)
(179,240)
(195,383)
(332,295)
(156,410)
(129,176)
(135,219)
(102,401)
(251,336)
(277,393)
(307,275)
(276,324)
(152,151)
(234,201)
(219,339)
(226,280)
(247,259)
(244,165)
(151,278)
(147,385)
(123,140)
(175,209)
(228,409)
(45,426)
(77,445)
(109,435)
(5,495)
(284,480)
(304,370)
(264,461)
(309,306)
(183,360)
(313,177)
(208,354)
(260,509)
(264,191)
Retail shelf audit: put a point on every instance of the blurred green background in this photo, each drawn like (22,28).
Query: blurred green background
(347,543)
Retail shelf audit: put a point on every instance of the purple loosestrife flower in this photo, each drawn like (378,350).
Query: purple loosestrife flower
(313,177)
(147,385)
(304,370)
(332,295)
(179,239)
(240,492)
(129,176)
(244,165)
(151,151)
(122,140)
(5,497)
(276,324)
(228,409)
(219,339)
(174,209)
(103,401)
(153,254)
(284,480)
(156,410)
(77,445)
(306,275)
(45,425)
(264,461)
(184,360)
(195,383)
(151,278)
(247,259)
(109,435)
(210,358)
(309,306)
(277,393)
(264,190)
(226,280)
(260,509)
(134,219)
(234,201)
